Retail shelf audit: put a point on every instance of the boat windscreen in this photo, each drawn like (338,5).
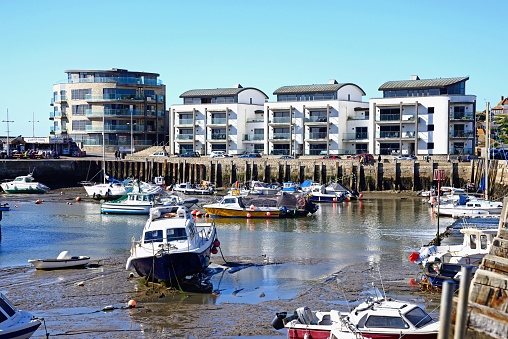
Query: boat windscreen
(418,317)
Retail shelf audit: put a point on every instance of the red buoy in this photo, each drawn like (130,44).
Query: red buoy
(268,214)
(248,215)
(214,250)
(216,243)
(414,256)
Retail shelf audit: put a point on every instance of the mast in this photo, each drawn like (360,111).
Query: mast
(103,148)
(487,150)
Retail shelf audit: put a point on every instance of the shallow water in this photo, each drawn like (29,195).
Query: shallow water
(338,235)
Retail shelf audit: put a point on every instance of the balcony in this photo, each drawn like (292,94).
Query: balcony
(388,117)
(408,135)
(114,97)
(358,117)
(58,98)
(217,121)
(218,136)
(118,80)
(184,137)
(388,135)
(466,134)
(316,119)
(317,135)
(255,120)
(115,128)
(355,136)
(280,121)
(60,115)
(253,137)
(122,113)
(184,122)
(462,116)
(409,118)
(281,137)
(461,150)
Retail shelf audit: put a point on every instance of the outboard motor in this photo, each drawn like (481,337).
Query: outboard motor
(305,316)
(278,321)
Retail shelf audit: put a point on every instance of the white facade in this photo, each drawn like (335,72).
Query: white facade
(218,120)
(317,120)
(441,124)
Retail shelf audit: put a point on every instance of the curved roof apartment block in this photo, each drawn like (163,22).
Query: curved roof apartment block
(220,119)
(318,119)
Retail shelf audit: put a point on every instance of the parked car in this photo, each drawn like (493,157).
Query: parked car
(330,156)
(190,154)
(250,155)
(287,157)
(405,157)
(159,154)
(219,154)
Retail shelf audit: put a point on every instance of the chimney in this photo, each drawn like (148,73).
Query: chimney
(237,86)
(415,77)
(332,82)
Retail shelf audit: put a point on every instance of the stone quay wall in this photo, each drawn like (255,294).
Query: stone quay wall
(387,175)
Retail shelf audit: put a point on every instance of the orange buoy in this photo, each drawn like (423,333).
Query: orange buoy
(268,214)
(199,214)
(194,212)
(132,303)
(78,199)
(361,195)
(252,207)
(37,201)
(334,199)
(16,206)
(347,199)
(248,215)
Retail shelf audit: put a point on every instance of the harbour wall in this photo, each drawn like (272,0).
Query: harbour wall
(387,175)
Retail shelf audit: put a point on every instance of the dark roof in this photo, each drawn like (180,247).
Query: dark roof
(217,92)
(421,84)
(323,88)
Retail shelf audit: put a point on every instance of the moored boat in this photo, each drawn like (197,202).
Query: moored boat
(204,188)
(138,201)
(63,261)
(172,245)
(24,184)
(377,317)
(14,323)
(470,208)
(111,190)
(319,194)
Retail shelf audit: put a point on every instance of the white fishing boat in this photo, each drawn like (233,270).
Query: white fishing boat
(470,208)
(15,324)
(319,193)
(475,244)
(205,188)
(24,184)
(111,190)
(138,201)
(377,317)
(173,245)
(63,261)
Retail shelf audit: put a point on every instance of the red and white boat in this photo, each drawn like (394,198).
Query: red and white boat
(377,317)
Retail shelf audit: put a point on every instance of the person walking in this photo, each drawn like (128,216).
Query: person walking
(379,158)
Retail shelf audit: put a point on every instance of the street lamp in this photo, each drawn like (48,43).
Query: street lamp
(8,142)
(33,121)
(132,135)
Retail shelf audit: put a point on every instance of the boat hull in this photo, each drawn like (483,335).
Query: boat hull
(24,330)
(243,213)
(325,198)
(315,333)
(55,264)
(30,190)
(119,208)
(170,266)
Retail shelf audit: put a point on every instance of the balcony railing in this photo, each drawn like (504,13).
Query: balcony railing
(113,112)
(118,80)
(217,121)
(185,122)
(316,119)
(388,135)
(356,136)
(91,97)
(462,116)
(219,136)
(280,136)
(462,134)
(255,120)
(58,98)
(461,150)
(317,135)
(120,128)
(358,117)
(60,114)
(184,137)
(408,134)
(253,137)
(280,120)
(388,117)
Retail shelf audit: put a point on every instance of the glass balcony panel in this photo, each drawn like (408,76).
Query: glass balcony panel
(316,119)
(185,121)
(388,117)
(318,135)
(253,137)
(281,120)
(217,121)
(388,134)
(219,136)
(184,137)
(280,136)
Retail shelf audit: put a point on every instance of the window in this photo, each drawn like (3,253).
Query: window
(430,128)
(80,94)
(80,125)
(385,322)
(430,110)
(153,236)
(418,317)
(472,241)
(80,109)
(483,241)
(430,145)
(174,234)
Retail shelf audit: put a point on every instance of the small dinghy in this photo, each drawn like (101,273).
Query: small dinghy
(64,260)
(15,323)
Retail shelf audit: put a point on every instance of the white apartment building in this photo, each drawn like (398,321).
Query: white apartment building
(221,119)
(317,119)
(423,117)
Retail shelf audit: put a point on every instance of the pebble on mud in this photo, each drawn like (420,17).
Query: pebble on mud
(81,283)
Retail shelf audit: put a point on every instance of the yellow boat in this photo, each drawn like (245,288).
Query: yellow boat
(235,206)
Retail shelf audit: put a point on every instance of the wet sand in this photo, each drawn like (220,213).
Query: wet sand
(72,301)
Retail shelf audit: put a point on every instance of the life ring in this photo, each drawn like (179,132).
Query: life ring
(300,203)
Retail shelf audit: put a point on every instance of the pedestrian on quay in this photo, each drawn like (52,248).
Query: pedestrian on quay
(379,158)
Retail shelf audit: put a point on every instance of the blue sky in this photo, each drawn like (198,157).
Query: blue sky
(263,44)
